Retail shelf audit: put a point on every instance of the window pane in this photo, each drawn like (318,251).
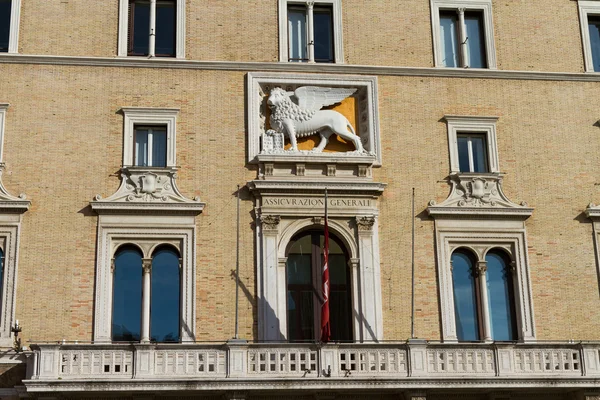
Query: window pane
(465,302)
(339,298)
(141,147)
(141,27)
(475,39)
(159,147)
(501,297)
(297,34)
(165,28)
(323,25)
(479,153)
(594,27)
(165,301)
(5,6)
(298,269)
(463,154)
(449,38)
(127,295)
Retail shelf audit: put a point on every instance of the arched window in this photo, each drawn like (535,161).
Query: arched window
(304,283)
(165,304)
(499,282)
(466,296)
(127,295)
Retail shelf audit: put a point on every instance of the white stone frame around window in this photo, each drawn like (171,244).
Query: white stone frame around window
(147,231)
(488,22)
(482,236)
(338,43)
(149,116)
(465,124)
(587,8)
(179,29)
(13,34)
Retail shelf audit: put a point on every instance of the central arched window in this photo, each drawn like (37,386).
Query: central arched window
(157,319)
(304,283)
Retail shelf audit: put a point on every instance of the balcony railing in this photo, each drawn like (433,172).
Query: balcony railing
(56,366)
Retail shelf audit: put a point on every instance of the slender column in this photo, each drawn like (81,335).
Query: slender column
(311,31)
(485,314)
(464,56)
(147,269)
(152,43)
(271,307)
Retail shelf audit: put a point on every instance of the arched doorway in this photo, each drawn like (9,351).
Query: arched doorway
(304,282)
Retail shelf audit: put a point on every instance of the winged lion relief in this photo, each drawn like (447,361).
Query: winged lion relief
(299,114)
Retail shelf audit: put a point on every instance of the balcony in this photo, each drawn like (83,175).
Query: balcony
(299,367)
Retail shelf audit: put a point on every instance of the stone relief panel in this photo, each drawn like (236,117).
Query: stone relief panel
(321,118)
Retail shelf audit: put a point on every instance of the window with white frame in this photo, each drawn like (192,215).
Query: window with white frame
(310,31)
(152,28)
(9,25)
(472,144)
(149,137)
(463,33)
(589,18)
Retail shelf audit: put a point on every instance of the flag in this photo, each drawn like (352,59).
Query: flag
(325,323)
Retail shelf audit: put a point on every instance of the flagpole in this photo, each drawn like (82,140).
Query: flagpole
(412,291)
(325,323)
(237,266)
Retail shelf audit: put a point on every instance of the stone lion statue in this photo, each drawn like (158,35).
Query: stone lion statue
(306,117)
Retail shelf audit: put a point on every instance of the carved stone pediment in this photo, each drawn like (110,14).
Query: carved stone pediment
(147,189)
(9,203)
(477,194)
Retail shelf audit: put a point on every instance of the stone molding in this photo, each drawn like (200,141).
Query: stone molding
(15,21)
(458,124)
(587,8)
(147,189)
(322,68)
(477,195)
(259,85)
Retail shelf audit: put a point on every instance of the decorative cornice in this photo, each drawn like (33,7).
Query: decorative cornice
(147,189)
(296,67)
(9,203)
(316,186)
(477,194)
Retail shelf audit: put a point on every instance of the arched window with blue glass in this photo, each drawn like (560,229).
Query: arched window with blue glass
(466,296)
(500,291)
(127,294)
(165,306)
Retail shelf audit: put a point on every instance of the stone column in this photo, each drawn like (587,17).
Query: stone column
(485,308)
(269,302)
(464,56)
(369,279)
(311,31)
(354,263)
(146,271)
(152,40)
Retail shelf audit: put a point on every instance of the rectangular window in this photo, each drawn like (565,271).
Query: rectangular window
(151,28)
(594,30)
(310,31)
(150,146)
(463,33)
(5,11)
(472,154)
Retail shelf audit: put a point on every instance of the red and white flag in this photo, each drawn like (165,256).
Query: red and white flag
(325,324)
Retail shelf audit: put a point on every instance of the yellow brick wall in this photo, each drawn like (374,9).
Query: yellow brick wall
(63,145)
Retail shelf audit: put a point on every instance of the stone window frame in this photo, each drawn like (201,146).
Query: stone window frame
(138,116)
(13,34)
(466,124)
(488,29)
(179,29)
(338,42)
(587,8)
(146,232)
(480,237)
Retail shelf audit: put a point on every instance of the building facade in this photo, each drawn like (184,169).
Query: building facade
(455,143)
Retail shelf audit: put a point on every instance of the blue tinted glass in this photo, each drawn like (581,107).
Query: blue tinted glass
(159,147)
(127,295)
(297,34)
(475,41)
(165,302)
(298,269)
(141,27)
(500,296)
(141,147)
(463,154)
(465,303)
(4,24)
(594,27)
(449,38)
(479,153)
(323,25)
(165,29)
